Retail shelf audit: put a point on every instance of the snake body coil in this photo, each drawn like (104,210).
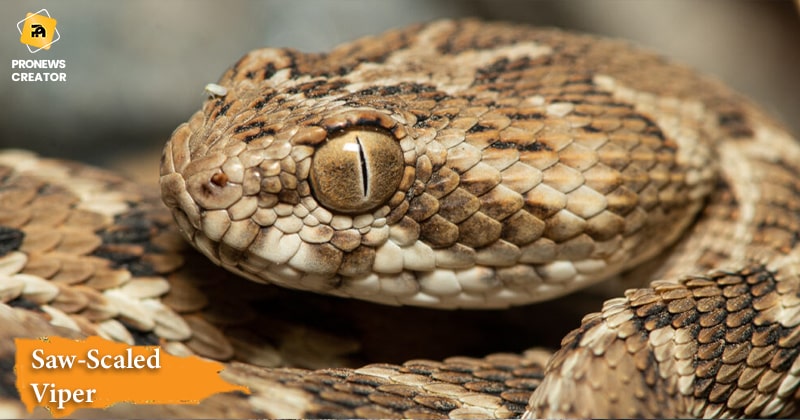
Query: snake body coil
(461,164)
(429,170)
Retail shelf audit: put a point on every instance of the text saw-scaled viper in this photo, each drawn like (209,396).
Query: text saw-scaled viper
(454,164)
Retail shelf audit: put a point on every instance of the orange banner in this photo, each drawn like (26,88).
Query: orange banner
(63,375)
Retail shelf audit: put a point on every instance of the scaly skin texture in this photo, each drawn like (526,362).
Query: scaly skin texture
(533,164)
(84,252)
(467,164)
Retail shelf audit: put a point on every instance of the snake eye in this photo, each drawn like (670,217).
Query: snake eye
(357,170)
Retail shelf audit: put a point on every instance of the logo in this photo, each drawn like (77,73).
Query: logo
(38,31)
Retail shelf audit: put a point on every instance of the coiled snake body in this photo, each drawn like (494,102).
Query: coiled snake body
(455,164)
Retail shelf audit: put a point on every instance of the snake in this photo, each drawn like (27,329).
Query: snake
(450,165)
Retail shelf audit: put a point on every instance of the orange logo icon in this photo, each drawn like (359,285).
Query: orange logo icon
(38,31)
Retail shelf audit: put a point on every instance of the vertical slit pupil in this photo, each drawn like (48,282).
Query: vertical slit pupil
(363,159)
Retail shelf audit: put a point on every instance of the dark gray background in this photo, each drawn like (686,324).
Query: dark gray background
(136,69)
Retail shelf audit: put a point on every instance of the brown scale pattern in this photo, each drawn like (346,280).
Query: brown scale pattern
(520,147)
(709,345)
(567,154)
(138,256)
(497,386)
(533,158)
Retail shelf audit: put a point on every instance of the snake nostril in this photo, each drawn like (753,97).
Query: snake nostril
(212,189)
(219,179)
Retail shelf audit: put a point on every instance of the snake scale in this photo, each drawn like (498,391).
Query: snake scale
(454,164)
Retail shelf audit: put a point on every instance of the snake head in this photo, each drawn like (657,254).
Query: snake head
(301,198)
(432,169)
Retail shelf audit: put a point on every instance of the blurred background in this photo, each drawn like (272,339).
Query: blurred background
(136,69)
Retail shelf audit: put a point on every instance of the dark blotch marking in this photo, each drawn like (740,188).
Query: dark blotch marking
(244,127)
(359,123)
(134,228)
(531,147)
(8,386)
(403,88)
(223,110)
(529,116)
(575,100)
(784,359)
(342,70)
(687,320)
(449,45)
(572,341)
(261,103)
(10,239)
(504,70)
(477,128)
(270,70)
(735,123)
(420,88)
(131,262)
(142,338)
(733,117)
(317,88)
(765,333)
(660,319)
(715,334)
(421,121)
(491,72)
(724,188)
(292,55)
(590,129)
(795,239)
(118,257)
(305,87)
(765,276)
(325,89)
(437,97)
(289,197)
(262,133)
(652,128)
(140,269)
(129,228)
(448,115)
(23,303)
(379,90)
(392,90)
